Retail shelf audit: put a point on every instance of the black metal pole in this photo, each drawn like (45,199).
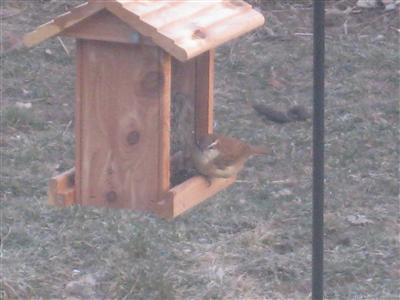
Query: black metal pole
(318,151)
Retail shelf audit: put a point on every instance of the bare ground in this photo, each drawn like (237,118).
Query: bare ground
(252,241)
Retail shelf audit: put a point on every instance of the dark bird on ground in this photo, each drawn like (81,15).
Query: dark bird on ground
(294,113)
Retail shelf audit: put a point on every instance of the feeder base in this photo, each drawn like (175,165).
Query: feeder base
(176,201)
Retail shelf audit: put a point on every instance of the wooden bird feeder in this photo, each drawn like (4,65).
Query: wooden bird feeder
(145,69)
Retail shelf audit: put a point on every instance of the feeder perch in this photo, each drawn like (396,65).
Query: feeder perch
(144,92)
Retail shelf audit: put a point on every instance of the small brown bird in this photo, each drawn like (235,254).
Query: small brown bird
(216,156)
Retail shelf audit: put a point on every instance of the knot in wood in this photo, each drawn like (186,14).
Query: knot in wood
(111,196)
(133,137)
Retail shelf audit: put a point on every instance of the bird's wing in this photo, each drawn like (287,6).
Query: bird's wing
(226,160)
(232,152)
(223,162)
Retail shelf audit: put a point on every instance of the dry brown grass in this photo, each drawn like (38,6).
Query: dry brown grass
(252,241)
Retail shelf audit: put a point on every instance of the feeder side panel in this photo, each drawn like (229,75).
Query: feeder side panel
(118,160)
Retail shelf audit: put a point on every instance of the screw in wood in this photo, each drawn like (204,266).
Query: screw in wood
(133,137)
(135,38)
(111,196)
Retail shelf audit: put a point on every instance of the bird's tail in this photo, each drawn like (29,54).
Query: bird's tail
(258,150)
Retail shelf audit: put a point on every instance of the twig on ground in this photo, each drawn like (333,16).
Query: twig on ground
(63,45)
(67,127)
(303,34)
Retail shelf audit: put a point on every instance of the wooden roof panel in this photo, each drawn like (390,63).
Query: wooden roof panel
(187,28)
(217,34)
(184,28)
(167,16)
(143,7)
(104,26)
(59,24)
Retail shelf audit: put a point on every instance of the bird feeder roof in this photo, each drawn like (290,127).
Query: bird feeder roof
(183,28)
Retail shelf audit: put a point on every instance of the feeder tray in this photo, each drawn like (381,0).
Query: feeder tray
(144,93)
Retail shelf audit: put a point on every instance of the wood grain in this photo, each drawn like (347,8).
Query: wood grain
(104,26)
(164,16)
(189,194)
(165,122)
(186,30)
(121,91)
(220,32)
(204,93)
(60,23)
(217,14)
